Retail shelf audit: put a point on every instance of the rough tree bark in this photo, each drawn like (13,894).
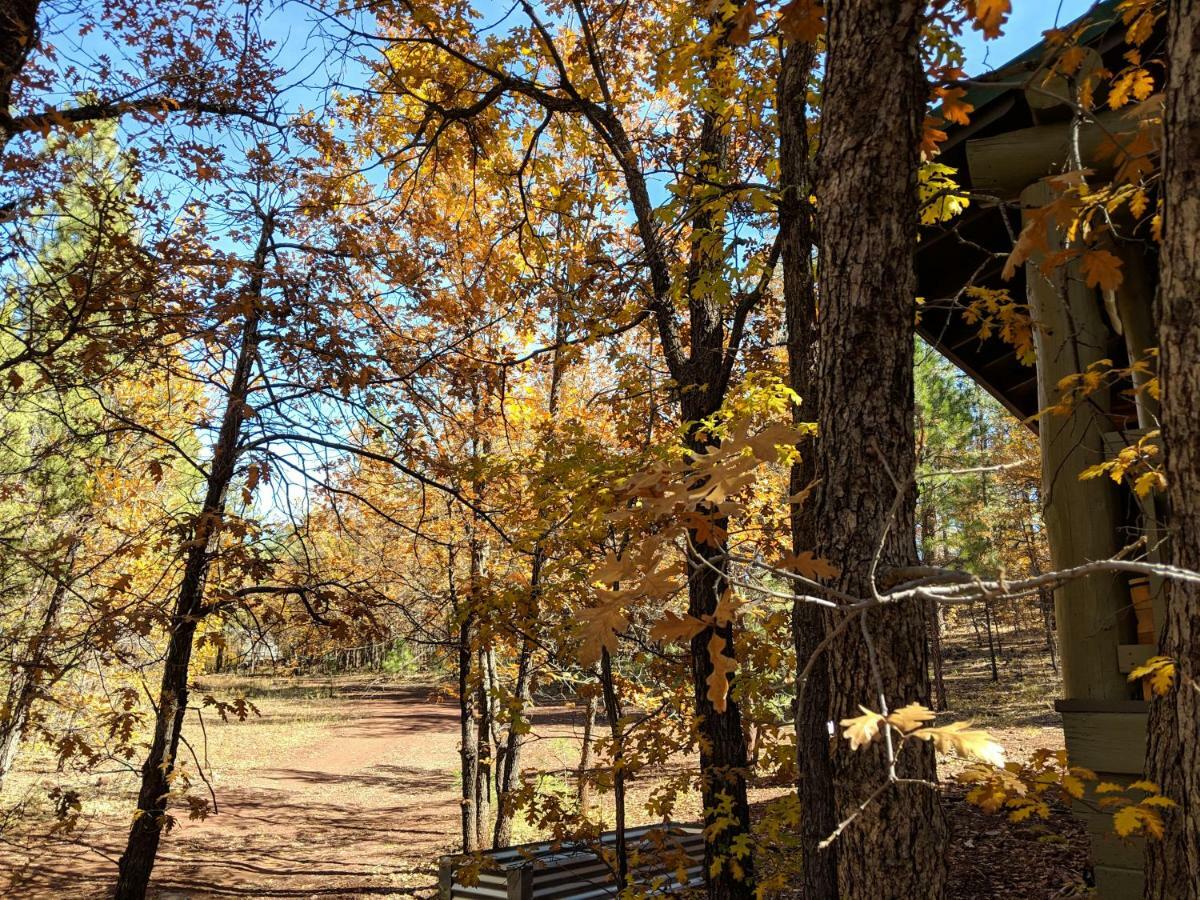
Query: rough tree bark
(873,107)
(809,622)
(144,836)
(1173,864)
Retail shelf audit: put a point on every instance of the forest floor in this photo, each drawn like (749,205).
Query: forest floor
(349,788)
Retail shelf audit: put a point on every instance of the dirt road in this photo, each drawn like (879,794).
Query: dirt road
(362,810)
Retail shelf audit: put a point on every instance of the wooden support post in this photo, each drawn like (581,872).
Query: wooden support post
(1134,303)
(1104,728)
(1082,518)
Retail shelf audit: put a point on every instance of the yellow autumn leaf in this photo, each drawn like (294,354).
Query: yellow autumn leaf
(727,608)
(1029,808)
(911,717)
(961,739)
(1160,671)
(1158,800)
(676,628)
(1148,482)
(1138,203)
(1144,784)
(599,627)
(1095,471)
(1133,84)
(718,679)
(1072,786)
(939,194)
(861,730)
(1130,820)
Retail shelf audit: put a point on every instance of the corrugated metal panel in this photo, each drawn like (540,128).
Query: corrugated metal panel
(548,871)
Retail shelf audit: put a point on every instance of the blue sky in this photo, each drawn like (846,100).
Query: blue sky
(1029,19)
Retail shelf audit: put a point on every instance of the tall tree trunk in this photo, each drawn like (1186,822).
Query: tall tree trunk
(723,759)
(809,622)
(11,731)
(934,615)
(866,190)
(1045,597)
(987,624)
(612,711)
(975,625)
(935,642)
(723,747)
(1046,601)
(1173,864)
(142,846)
(479,685)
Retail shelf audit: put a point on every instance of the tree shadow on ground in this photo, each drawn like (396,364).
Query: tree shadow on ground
(265,848)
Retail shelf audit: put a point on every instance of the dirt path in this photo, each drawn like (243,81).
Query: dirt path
(357,794)
(363,810)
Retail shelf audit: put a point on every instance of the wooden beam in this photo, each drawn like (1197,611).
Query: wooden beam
(1004,164)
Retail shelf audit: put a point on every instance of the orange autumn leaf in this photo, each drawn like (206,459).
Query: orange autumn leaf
(954,108)
(727,608)
(1101,269)
(739,34)
(802,20)
(807,564)
(989,16)
(931,137)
